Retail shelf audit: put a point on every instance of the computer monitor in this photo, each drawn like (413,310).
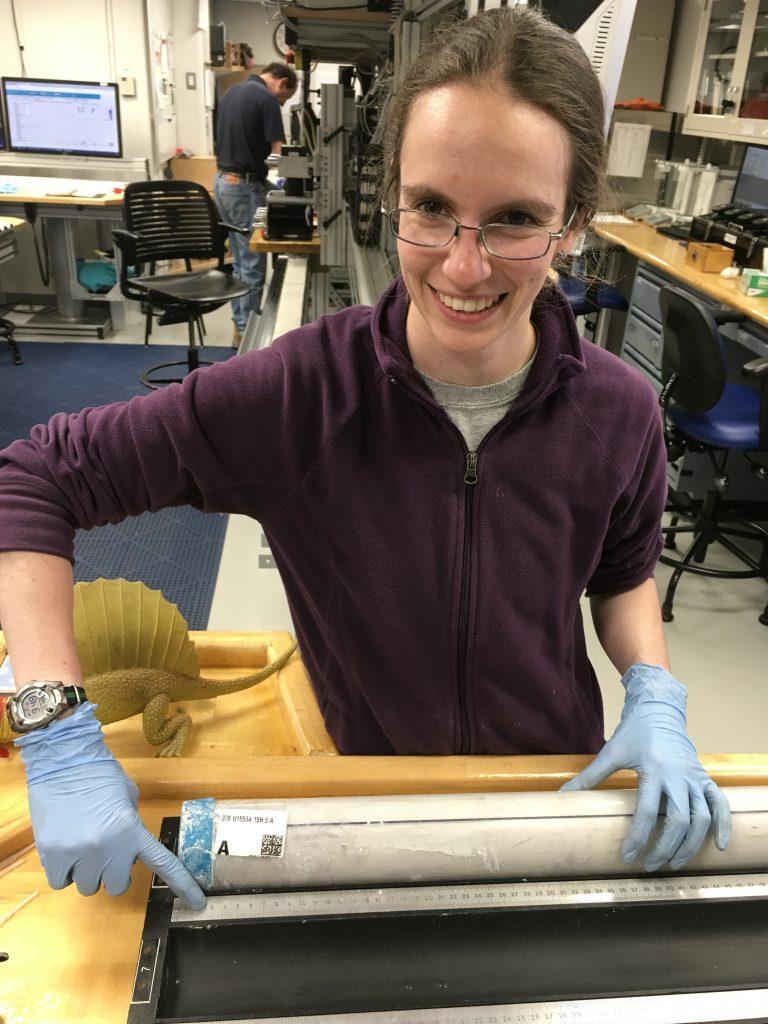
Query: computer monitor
(752,184)
(71,118)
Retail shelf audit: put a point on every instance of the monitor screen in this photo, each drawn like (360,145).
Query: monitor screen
(76,118)
(752,185)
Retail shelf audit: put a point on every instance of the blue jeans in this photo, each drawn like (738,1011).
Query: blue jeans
(237,205)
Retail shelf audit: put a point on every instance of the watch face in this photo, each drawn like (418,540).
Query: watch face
(36,706)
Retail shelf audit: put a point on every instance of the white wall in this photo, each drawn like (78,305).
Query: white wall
(88,42)
(102,41)
(192,52)
(248,22)
(160,24)
(54,41)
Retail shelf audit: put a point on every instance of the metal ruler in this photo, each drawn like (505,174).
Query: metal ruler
(496,895)
(686,1008)
(697,1007)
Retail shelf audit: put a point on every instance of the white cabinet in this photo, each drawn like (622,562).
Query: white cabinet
(728,93)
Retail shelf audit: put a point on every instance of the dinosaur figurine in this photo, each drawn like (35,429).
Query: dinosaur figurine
(137,658)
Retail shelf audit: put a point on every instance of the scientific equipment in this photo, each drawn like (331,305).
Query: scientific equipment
(289,213)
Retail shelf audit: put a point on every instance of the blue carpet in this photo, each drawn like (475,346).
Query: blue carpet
(176,550)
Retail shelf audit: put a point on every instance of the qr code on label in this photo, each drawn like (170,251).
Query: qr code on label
(271,846)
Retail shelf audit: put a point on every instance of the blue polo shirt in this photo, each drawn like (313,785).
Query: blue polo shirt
(248,121)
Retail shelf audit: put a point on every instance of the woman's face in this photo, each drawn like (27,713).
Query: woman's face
(477,153)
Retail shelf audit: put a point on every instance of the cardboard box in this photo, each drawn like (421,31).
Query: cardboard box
(709,257)
(200,169)
(754,283)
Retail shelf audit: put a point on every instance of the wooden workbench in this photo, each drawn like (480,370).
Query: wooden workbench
(35,188)
(266,742)
(668,255)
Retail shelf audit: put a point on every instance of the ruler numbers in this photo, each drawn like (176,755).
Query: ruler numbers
(444,898)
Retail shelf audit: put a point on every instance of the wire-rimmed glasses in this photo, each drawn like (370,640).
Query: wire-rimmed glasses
(507,241)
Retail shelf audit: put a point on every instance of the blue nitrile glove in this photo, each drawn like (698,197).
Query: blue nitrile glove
(83,810)
(651,738)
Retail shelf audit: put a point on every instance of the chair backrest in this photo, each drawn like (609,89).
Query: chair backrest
(693,350)
(174,220)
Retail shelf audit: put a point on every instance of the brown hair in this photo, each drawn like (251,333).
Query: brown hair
(279,70)
(539,63)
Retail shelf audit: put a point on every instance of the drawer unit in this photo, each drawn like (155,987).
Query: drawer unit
(645,294)
(644,338)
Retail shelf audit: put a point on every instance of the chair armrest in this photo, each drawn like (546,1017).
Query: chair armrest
(126,242)
(231,227)
(755,369)
(727,316)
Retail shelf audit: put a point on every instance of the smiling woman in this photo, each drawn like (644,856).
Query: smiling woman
(494,152)
(439,478)
(449,338)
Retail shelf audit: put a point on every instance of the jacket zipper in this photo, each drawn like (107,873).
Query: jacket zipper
(470,479)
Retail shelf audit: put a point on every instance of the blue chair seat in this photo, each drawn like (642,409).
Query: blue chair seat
(575,291)
(733,423)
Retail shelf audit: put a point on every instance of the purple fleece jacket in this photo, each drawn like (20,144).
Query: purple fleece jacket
(437,613)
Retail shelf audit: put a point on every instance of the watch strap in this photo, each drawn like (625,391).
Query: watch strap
(75,695)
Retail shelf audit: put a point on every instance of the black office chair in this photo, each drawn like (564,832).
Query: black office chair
(166,220)
(704,413)
(7,327)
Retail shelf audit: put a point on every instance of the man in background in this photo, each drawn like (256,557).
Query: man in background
(249,127)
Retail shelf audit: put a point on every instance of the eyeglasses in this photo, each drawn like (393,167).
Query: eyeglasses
(507,241)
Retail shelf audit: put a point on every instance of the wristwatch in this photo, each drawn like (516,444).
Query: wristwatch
(41,702)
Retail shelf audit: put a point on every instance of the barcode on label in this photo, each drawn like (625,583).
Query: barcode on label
(271,846)
(242,830)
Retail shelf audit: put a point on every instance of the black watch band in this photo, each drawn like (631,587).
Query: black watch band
(75,695)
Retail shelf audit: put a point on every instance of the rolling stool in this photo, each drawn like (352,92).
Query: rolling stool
(704,413)
(7,327)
